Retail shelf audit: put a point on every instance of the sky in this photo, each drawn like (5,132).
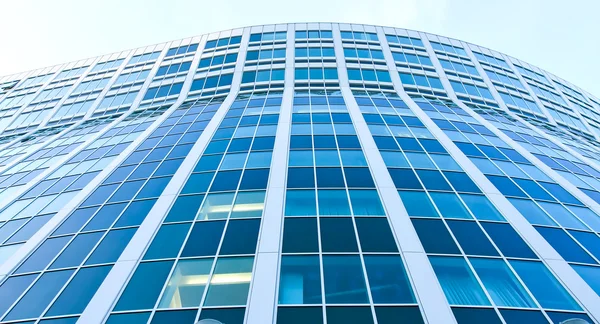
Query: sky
(556,35)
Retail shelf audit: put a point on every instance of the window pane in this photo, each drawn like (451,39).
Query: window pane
(300,203)
(544,287)
(344,279)
(79,291)
(458,282)
(333,202)
(501,283)
(145,286)
(388,280)
(187,283)
(300,280)
(230,282)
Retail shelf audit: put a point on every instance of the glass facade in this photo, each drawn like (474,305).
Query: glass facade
(299,173)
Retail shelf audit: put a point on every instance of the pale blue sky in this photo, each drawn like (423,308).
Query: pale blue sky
(557,35)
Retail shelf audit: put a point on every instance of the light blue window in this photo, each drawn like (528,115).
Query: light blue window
(486,166)
(421,80)
(259,160)
(417,203)
(301,74)
(233,161)
(379,130)
(501,284)
(388,280)
(481,207)
(354,74)
(333,202)
(278,75)
(263,75)
(300,203)
(265,54)
(531,211)
(562,215)
(394,159)
(420,160)
(330,73)
(510,169)
(412,58)
(314,51)
(399,57)
(301,158)
(316,73)
(183,273)
(322,129)
(369,75)
(591,275)
(445,162)
(377,54)
(279,53)
(457,86)
(301,129)
(344,280)
(353,158)
(544,287)
(344,129)
(406,78)
(363,53)
(328,52)
(366,203)
(301,52)
(458,282)
(300,280)
(435,83)
(449,205)
(327,158)
(349,52)
(383,76)
(588,216)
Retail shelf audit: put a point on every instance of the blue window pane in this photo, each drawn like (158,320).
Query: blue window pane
(344,280)
(337,235)
(435,236)
(297,315)
(417,203)
(481,207)
(79,291)
(77,251)
(458,282)
(390,315)
(501,283)
(135,213)
(300,203)
(375,235)
(508,240)
(33,303)
(333,202)
(565,245)
(12,288)
(111,246)
(240,237)
(449,205)
(145,285)
(589,240)
(300,235)
(204,239)
(44,254)
(388,280)
(366,202)
(167,242)
(471,238)
(591,275)
(475,315)
(544,287)
(300,280)
(340,315)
